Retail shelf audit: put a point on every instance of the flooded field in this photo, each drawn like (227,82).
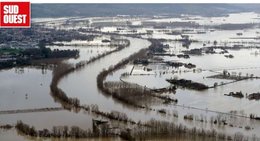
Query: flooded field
(226,59)
(28,86)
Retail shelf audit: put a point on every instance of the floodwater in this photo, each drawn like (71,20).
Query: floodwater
(28,87)
(235,18)
(25,88)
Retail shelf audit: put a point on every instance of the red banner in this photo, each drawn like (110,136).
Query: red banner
(15,14)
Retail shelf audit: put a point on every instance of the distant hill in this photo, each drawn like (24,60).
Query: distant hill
(61,10)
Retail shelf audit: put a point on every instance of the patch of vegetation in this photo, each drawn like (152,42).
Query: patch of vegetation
(188,84)
(254,96)
(235,94)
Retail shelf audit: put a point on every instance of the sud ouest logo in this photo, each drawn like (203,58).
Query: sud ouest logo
(15,14)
